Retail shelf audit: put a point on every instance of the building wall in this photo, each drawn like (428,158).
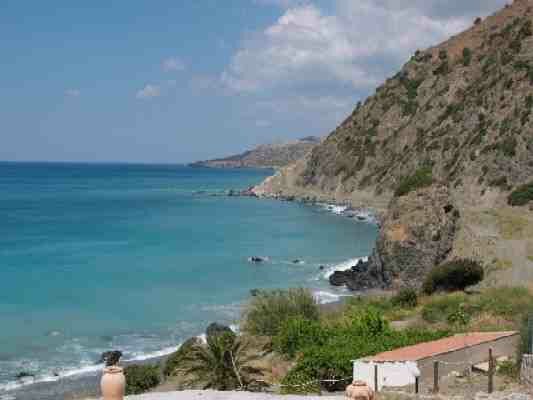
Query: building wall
(390,374)
(400,374)
(461,360)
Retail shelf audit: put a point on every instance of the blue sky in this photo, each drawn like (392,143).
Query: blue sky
(176,81)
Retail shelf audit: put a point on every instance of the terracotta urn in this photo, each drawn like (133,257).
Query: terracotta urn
(113,383)
(359,390)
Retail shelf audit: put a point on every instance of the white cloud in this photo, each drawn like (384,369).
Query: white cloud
(148,92)
(356,46)
(72,92)
(173,64)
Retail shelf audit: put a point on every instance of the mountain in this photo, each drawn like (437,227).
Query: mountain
(266,155)
(437,150)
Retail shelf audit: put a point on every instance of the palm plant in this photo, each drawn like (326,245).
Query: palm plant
(223,363)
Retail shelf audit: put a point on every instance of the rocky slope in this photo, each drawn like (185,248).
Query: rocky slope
(265,156)
(453,130)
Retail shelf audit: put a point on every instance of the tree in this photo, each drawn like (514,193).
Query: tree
(223,363)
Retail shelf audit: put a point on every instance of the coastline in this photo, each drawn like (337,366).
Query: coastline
(85,384)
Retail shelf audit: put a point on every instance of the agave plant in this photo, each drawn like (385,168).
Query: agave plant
(223,363)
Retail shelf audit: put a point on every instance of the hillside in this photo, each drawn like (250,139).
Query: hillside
(265,156)
(437,150)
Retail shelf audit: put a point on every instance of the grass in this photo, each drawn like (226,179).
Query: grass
(506,305)
(512,225)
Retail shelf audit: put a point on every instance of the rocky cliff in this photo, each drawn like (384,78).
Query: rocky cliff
(266,156)
(438,148)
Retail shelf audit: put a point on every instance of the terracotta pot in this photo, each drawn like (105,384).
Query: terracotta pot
(359,390)
(113,383)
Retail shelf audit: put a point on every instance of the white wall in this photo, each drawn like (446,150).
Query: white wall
(390,374)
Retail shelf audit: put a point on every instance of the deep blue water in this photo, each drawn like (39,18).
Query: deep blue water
(132,257)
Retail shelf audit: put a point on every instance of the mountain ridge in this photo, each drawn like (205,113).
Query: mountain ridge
(274,155)
(457,115)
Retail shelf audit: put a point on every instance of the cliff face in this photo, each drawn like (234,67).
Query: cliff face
(460,114)
(266,156)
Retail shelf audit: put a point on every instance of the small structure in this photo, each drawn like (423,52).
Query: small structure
(401,367)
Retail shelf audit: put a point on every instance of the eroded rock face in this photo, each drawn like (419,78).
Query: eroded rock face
(417,233)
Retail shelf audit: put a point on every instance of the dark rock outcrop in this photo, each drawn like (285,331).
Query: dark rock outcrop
(216,329)
(417,233)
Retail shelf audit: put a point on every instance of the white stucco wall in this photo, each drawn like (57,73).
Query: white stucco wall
(390,374)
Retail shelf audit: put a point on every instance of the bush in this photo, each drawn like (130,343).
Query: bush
(453,275)
(423,177)
(269,310)
(467,56)
(406,297)
(297,334)
(522,195)
(141,378)
(174,361)
(367,334)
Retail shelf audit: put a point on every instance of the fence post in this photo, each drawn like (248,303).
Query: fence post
(417,384)
(491,371)
(436,377)
(376,387)
(530,334)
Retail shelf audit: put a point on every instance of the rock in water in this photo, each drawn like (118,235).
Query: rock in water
(216,329)
(257,260)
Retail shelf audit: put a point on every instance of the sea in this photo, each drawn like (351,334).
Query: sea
(138,258)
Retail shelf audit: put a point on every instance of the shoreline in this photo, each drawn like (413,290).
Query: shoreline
(85,383)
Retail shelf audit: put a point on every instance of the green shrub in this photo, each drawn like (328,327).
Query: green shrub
(508,146)
(467,56)
(141,378)
(522,195)
(453,275)
(269,310)
(423,177)
(508,369)
(297,334)
(367,335)
(406,297)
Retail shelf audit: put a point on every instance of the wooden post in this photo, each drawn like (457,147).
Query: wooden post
(417,384)
(436,377)
(376,387)
(491,372)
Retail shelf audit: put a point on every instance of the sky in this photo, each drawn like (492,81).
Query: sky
(174,81)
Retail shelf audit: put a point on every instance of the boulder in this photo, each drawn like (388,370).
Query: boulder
(257,259)
(216,329)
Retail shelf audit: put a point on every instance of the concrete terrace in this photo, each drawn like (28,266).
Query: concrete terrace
(212,395)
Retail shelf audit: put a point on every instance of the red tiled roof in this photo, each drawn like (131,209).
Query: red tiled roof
(441,346)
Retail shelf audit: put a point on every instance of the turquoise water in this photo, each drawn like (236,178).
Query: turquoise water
(138,258)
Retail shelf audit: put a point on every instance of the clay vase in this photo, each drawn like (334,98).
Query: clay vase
(359,390)
(113,383)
